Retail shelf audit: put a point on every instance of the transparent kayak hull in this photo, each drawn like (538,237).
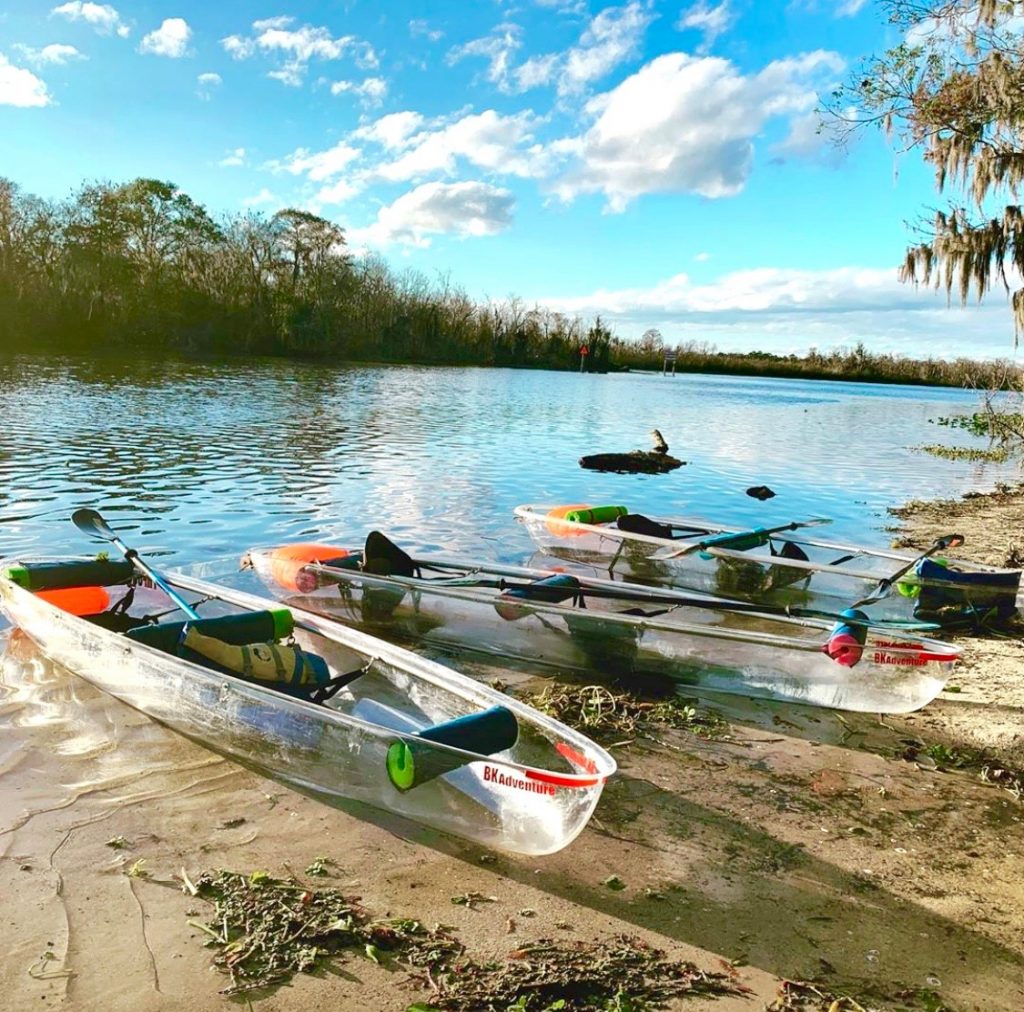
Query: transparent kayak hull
(831,577)
(704,647)
(532,798)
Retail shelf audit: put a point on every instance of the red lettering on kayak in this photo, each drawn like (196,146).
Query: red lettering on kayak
(493,775)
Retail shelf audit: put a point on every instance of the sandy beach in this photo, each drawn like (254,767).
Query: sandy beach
(803,844)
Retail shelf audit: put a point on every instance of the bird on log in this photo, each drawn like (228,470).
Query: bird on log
(656,461)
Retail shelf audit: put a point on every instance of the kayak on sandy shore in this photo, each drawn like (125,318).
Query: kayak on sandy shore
(312,703)
(627,631)
(779,565)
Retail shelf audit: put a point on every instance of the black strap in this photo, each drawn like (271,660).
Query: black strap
(322,693)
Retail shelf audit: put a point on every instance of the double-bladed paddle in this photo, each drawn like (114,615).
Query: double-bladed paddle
(886,585)
(735,539)
(90,522)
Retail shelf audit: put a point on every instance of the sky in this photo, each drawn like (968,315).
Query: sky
(655,163)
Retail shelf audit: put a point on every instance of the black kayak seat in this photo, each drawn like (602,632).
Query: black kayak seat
(637,523)
(383,557)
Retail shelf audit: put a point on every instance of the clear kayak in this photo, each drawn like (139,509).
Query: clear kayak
(624,630)
(781,566)
(380,726)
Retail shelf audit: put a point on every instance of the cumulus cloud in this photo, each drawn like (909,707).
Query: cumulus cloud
(686,124)
(612,37)
(104,18)
(487,140)
(392,132)
(55,54)
(20,87)
(170,39)
(206,83)
(296,47)
(461,209)
(371,92)
(711,19)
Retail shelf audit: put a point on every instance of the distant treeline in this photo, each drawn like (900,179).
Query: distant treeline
(140,267)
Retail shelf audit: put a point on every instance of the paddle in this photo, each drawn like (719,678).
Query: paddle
(727,538)
(884,586)
(91,523)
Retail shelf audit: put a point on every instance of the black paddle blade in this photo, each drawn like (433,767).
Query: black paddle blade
(91,523)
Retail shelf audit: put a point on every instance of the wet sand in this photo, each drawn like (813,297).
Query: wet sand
(801,846)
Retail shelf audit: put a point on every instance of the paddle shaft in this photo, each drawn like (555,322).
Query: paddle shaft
(723,540)
(884,586)
(90,522)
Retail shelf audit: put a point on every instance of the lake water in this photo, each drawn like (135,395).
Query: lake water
(193,460)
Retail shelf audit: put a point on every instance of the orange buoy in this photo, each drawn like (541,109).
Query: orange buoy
(565,530)
(288,561)
(77,600)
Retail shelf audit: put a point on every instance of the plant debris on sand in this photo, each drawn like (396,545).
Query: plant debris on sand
(809,996)
(623,975)
(266,930)
(605,715)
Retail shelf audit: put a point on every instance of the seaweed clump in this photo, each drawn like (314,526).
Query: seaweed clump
(266,930)
(606,715)
(624,975)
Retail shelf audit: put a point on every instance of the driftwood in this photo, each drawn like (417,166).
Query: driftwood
(656,461)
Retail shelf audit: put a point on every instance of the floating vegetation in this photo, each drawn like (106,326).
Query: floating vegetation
(624,975)
(266,930)
(998,424)
(996,454)
(606,715)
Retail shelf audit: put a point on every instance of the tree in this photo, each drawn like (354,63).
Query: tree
(955,90)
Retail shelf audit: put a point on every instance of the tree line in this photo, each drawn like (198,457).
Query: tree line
(140,267)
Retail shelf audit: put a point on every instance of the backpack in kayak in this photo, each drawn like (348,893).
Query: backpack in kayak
(971,595)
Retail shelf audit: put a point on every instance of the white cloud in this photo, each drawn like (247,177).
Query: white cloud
(701,257)
(104,18)
(263,197)
(392,132)
(170,39)
(791,310)
(498,49)
(57,53)
(612,37)
(321,165)
(467,209)
(847,8)
(233,158)
(372,91)
(711,19)
(487,140)
(20,87)
(296,47)
(418,26)
(686,124)
(206,83)
(337,193)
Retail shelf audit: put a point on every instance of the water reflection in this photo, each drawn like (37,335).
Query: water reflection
(194,459)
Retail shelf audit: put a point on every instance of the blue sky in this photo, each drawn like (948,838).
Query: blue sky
(653,162)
